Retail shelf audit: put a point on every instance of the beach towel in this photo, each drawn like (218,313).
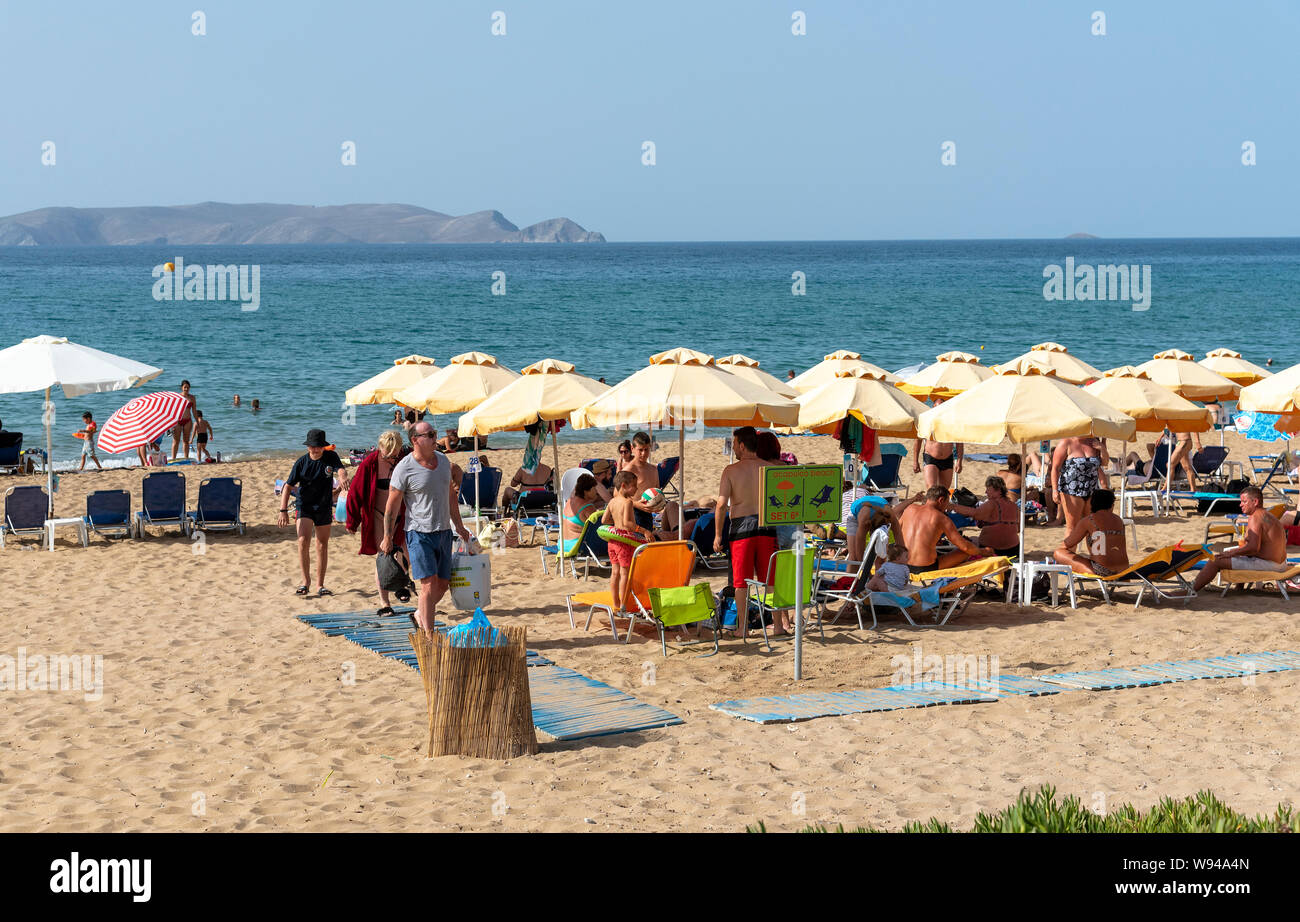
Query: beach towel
(533,452)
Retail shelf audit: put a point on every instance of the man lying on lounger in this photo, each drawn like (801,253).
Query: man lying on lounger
(1263,548)
(923,524)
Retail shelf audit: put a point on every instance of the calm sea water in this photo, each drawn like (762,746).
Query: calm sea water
(332,316)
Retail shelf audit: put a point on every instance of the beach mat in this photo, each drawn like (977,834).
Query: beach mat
(1009,685)
(1212,667)
(386,635)
(566,704)
(808,706)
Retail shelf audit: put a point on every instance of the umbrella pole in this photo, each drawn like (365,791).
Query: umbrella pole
(555,477)
(1020,571)
(681,481)
(49,453)
(477,525)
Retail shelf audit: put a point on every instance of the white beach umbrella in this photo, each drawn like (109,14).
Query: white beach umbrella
(44,362)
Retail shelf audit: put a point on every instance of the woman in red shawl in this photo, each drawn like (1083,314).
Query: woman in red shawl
(367,496)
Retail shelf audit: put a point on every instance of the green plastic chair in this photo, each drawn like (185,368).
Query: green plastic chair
(780,576)
(684,605)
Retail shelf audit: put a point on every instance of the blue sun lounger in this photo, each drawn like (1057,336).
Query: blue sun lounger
(163,501)
(108,513)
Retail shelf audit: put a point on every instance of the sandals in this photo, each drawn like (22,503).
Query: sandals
(386,610)
(324,591)
(301,590)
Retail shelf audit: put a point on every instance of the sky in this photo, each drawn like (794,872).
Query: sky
(758,133)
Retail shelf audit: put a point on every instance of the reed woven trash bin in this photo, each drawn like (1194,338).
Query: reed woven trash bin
(477,696)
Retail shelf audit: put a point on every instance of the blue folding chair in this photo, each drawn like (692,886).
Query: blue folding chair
(702,534)
(11,453)
(883,475)
(486,484)
(26,509)
(1208,460)
(218,506)
(163,502)
(667,471)
(108,513)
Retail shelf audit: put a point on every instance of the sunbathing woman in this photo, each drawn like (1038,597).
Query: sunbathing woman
(584,501)
(524,482)
(1000,517)
(1102,533)
(1011,477)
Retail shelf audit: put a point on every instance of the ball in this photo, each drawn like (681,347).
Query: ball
(653,499)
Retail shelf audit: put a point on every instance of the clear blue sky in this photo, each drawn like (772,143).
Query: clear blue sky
(760,134)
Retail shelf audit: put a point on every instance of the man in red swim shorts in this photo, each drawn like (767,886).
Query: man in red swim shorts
(752,545)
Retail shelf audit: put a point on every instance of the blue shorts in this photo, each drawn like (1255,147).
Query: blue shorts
(430,554)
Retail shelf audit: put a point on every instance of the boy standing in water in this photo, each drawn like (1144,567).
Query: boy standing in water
(88,441)
(202,432)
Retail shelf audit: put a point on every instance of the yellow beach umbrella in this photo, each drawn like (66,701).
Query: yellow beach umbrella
(1278,394)
(842,360)
(866,397)
(380,389)
(744,367)
(682,387)
(545,391)
(1068,368)
(949,375)
(1024,403)
(470,379)
(1175,370)
(1233,367)
(1154,406)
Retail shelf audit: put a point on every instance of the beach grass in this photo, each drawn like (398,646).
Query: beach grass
(1039,811)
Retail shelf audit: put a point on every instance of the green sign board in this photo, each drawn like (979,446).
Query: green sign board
(805,493)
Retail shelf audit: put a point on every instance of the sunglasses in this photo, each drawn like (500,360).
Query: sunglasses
(422,435)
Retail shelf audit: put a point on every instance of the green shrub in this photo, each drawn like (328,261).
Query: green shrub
(1039,812)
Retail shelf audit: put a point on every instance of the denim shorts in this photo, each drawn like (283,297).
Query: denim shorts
(430,554)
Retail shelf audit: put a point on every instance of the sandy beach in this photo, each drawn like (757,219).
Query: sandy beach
(221,711)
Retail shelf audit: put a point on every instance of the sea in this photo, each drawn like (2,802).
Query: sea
(328,317)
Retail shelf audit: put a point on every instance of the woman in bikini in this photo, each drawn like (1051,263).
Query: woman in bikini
(1011,477)
(368,497)
(184,430)
(1077,463)
(523,482)
(1000,517)
(1102,533)
(584,501)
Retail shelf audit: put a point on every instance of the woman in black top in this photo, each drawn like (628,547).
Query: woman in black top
(313,475)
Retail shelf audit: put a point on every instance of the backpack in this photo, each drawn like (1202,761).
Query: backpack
(393,576)
(964,497)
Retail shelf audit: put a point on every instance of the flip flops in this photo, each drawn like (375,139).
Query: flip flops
(386,610)
(324,591)
(301,590)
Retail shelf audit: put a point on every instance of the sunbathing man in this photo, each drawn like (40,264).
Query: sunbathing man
(1263,548)
(923,524)
(1102,533)
(939,458)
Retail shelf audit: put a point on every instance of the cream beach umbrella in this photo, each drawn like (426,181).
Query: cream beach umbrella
(44,362)
(380,389)
(864,396)
(949,375)
(825,370)
(1024,403)
(1278,394)
(1233,367)
(1155,407)
(1175,370)
(1068,367)
(546,391)
(744,367)
(682,387)
(467,381)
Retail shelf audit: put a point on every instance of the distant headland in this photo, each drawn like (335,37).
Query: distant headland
(225,224)
(1081,236)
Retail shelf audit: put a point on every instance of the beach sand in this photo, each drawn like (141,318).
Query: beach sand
(222,711)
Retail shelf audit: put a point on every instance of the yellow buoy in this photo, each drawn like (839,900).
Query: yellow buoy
(171,267)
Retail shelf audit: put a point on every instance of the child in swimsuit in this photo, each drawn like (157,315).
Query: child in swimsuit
(621,515)
(201,435)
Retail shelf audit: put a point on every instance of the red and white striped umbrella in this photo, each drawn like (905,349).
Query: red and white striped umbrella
(142,420)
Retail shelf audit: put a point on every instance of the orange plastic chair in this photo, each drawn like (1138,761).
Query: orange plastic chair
(657,565)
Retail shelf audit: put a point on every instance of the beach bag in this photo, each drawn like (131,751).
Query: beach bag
(471,578)
(964,497)
(393,576)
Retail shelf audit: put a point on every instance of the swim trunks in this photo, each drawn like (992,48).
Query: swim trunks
(943,464)
(923,567)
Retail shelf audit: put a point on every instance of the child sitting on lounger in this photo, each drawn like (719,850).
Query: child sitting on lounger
(893,575)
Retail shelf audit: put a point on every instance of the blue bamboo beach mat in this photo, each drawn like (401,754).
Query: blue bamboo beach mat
(566,704)
(791,708)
